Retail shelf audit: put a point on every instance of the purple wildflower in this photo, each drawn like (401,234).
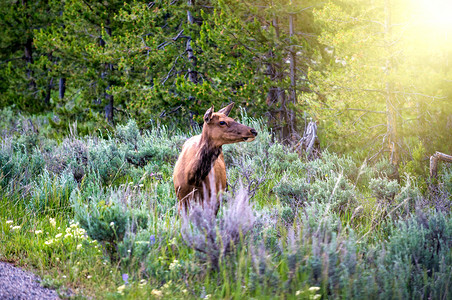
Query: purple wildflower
(125,277)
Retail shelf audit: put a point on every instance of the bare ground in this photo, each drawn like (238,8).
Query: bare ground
(18,284)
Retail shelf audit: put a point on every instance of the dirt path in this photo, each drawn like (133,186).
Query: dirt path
(18,284)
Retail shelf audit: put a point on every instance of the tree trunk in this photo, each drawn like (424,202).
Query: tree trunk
(48,92)
(109,108)
(62,87)
(192,74)
(391,111)
(293,74)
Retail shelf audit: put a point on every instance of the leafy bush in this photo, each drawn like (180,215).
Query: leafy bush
(334,189)
(108,215)
(384,189)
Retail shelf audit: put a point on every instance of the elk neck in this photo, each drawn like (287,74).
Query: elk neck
(207,155)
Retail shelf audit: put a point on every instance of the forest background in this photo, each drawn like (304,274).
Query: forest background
(374,76)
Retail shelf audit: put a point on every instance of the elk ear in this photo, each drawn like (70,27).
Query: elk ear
(208,115)
(226,110)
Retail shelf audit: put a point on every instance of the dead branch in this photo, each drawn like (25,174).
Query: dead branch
(434,162)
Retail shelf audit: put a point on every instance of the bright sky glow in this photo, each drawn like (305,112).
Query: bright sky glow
(436,12)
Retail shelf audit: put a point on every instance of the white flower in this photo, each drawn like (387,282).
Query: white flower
(52,222)
(174,265)
(314,288)
(156,293)
(68,230)
(79,246)
(17,227)
(121,289)
(112,224)
(49,242)
(58,235)
(67,235)
(38,232)
(9,221)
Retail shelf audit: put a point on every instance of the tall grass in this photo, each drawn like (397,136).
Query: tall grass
(98,215)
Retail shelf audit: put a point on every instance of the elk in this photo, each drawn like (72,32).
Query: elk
(200,171)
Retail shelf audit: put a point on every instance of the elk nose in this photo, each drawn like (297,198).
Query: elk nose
(254,132)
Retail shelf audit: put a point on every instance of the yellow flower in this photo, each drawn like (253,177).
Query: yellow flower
(121,289)
(157,293)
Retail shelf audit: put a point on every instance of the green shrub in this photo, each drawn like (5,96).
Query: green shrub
(108,215)
(335,189)
(384,189)
(51,192)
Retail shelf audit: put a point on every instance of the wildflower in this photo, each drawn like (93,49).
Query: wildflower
(67,235)
(17,227)
(49,242)
(174,265)
(89,276)
(156,293)
(68,230)
(74,225)
(125,277)
(38,232)
(79,246)
(167,285)
(121,289)
(112,224)
(184,291)
(9,221)
(152,239)
(58,235)
(315,297)
(297,293)
(52,222)
(314,288)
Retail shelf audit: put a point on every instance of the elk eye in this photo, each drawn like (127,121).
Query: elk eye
(222,123)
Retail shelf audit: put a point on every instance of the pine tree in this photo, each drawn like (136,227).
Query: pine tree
(24,70)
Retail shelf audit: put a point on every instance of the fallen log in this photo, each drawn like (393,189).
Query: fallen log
(434,162)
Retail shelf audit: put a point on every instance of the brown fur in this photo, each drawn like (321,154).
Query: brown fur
(200,166)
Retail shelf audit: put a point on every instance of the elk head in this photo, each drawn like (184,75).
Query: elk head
(221,129)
